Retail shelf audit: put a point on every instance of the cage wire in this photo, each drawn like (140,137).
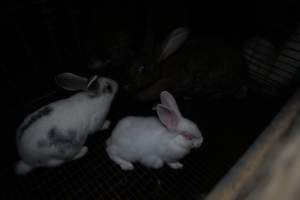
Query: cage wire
(55,28)
(95,176)
(273,70)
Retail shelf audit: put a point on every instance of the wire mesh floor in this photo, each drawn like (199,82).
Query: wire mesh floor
(95,176)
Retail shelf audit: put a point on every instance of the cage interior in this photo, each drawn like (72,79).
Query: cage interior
(44,38)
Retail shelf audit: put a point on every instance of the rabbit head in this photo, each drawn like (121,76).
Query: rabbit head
(203,65)
(154,141)
(147,70)
(95,85)
(187,132)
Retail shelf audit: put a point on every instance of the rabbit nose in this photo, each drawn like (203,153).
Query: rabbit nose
(141,69)
(109,85)
(197,143)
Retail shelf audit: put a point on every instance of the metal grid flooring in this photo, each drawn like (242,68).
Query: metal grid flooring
(95,176)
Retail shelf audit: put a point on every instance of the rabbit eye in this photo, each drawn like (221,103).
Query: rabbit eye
(188,136)
(107,88)
(141,69)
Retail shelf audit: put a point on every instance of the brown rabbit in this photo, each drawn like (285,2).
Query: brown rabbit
(201,65)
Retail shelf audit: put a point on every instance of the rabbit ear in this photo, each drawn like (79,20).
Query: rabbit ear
(173,42)
(168,117)
(99,64)
(71,81)
(92,83)
(169,101)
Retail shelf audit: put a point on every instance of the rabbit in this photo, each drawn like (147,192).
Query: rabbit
(188,64)
(56,133)
(154,141)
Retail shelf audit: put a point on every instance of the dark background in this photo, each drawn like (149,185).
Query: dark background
(40,38)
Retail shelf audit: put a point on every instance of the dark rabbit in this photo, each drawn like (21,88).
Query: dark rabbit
(190,65)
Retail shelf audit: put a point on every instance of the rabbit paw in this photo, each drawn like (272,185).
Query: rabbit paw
(153,162)
(22,168)
(54,162)
(106,125)
(125,165)
(176,165)
(81,153)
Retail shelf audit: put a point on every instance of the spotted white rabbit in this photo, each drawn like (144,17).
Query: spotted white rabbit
(56,133)
(154,141)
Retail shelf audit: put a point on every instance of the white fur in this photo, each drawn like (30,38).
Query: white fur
(79,113)
(148,141)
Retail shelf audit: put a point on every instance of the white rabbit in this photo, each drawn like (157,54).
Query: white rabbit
(154,141)
(56,133)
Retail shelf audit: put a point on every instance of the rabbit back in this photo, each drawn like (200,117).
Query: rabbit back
(58,130)
(135,138)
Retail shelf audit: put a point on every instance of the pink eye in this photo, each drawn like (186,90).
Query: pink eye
(188,136)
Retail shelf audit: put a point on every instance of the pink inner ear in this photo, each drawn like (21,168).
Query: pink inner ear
(167,116)
(169,101)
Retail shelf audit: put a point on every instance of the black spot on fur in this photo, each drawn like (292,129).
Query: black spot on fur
(93,89)
(65,143)
(94,86)
(62,151)
(107,88)
(41,144)
(39,114)
(95,92)
(57,138)
(52,134)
